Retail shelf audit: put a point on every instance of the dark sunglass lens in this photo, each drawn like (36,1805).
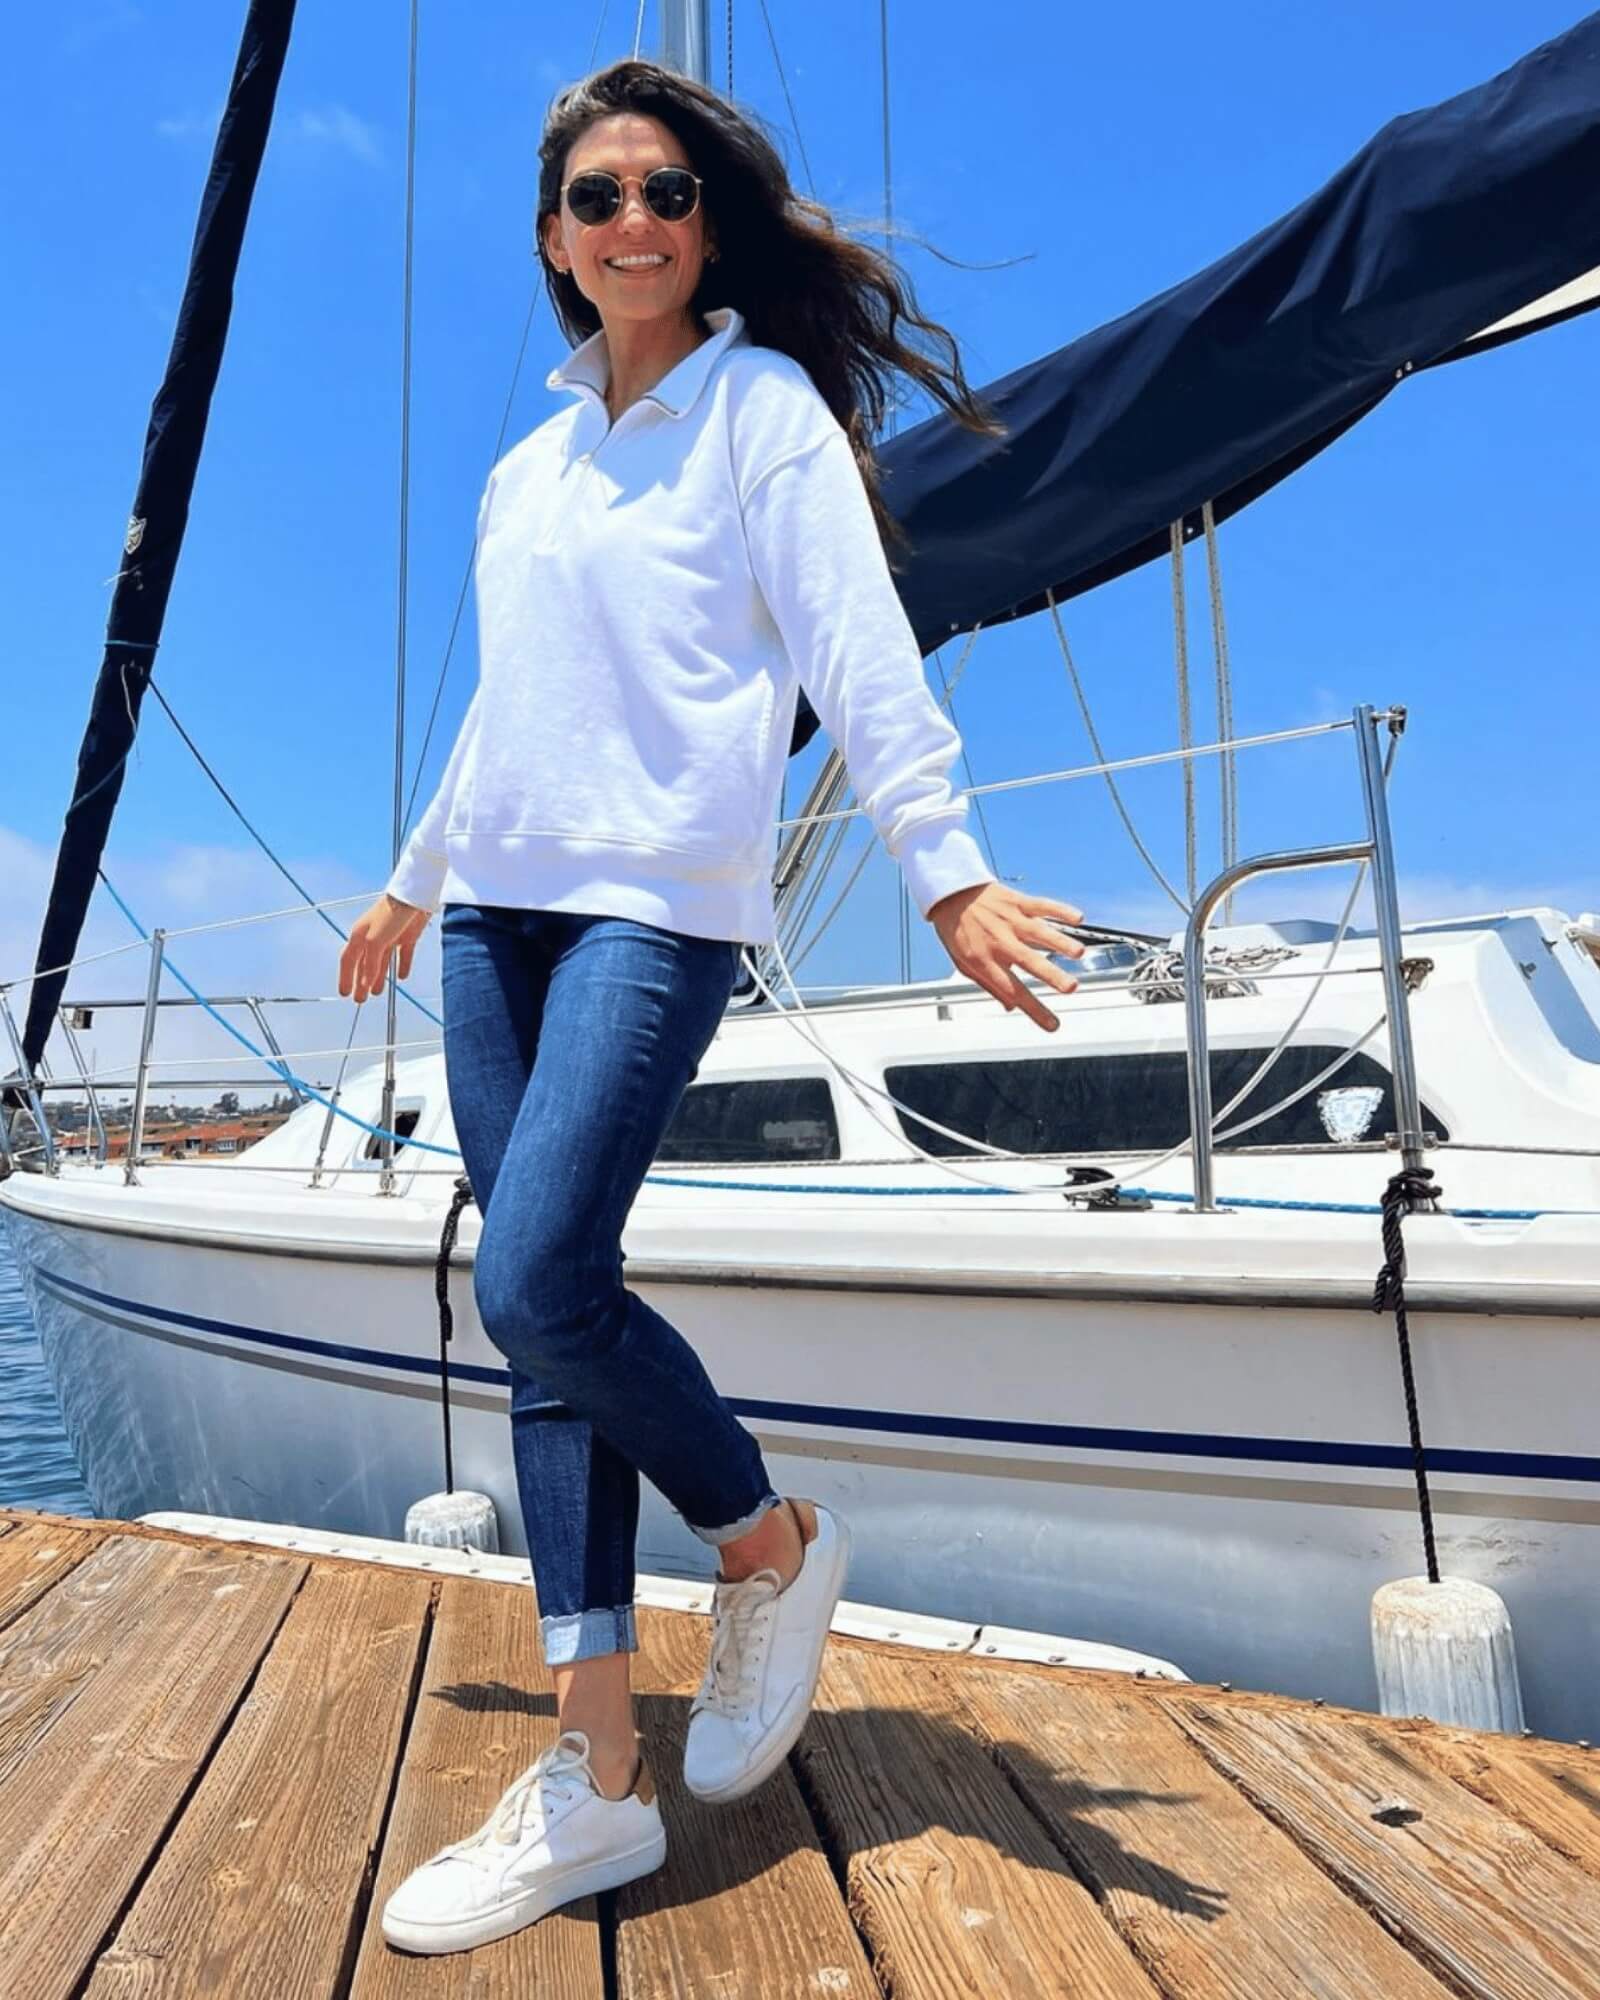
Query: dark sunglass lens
(671,193)
(593,198)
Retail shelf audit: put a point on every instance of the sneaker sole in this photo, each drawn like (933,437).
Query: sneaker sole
(556,1889)
(778,1746)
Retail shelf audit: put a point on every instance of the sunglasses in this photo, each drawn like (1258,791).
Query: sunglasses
(672,194)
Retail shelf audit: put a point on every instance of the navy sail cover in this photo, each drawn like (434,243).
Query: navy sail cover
(1445,223)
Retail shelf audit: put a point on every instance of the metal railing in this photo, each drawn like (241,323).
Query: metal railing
(1376,850)
(38,1084)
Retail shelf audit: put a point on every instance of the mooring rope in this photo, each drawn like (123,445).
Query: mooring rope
(1409,1190)
(447,1321)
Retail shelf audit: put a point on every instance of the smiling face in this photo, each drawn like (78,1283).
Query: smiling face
(629,145)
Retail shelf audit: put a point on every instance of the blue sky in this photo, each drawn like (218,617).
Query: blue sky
(1441,555)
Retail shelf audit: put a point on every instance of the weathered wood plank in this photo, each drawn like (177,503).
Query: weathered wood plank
(1552,1787)
(151,1670)
(33,1559)
(746,1904)
(1477,1896)
(957,1887)
(55,1651)
(485,1710)
(1212,1898)
(257,1889)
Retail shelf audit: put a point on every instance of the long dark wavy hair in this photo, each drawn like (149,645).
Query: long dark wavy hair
(801,283)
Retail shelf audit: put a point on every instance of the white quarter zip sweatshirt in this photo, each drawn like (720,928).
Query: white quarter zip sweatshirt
(652,594)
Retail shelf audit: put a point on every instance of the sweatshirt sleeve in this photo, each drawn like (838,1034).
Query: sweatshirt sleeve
(419,875)
(817,559)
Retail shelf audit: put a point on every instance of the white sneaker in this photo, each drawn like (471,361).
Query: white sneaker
(552,1838)
(766,1659)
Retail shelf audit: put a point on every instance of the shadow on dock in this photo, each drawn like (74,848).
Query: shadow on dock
(216,1760)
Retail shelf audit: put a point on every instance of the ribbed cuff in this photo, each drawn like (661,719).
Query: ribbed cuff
(939,861)
(418,878)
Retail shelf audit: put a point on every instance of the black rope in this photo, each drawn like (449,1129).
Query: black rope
(447,1323)
(1409,1190)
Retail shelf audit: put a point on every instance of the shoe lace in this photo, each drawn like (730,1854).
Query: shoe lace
(740,1618)
(555,1776)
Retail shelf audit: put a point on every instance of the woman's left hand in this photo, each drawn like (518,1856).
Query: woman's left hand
(989,928)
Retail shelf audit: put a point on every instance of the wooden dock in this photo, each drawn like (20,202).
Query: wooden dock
(216,1760)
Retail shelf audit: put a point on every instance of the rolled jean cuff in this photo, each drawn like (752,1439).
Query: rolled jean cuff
(582,1635)
(717,1536)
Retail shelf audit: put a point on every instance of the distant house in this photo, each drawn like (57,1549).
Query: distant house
(205,1138)
(212,1136)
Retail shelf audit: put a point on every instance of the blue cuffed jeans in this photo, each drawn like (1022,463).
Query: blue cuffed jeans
(569,1040)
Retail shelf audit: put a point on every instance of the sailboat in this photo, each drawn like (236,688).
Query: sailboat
(1079,1341)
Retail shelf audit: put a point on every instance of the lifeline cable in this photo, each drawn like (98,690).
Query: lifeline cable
(981,1187)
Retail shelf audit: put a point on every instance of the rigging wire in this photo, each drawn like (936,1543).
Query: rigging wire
(856,1084)
(1343,925)
(1141,763)
(821,867)
(1228,775)
(1180,651)
(794,119)
(455,623)
(278,1067)
(391,1012)
(966,763)
(472,557)
(260,840)
(1186,1144)
(1095,744)
(1185,715)
(600,28)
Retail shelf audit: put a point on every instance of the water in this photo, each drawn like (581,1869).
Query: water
(36,1463)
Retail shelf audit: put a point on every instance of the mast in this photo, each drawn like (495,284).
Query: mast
(686,38)
(149,555)
(391,1010)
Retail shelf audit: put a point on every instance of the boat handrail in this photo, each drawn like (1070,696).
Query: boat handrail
(1376,851)
(1198,975)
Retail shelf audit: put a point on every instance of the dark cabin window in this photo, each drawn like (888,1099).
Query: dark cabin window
(766,1118)
(1138,1102)
(405,1123)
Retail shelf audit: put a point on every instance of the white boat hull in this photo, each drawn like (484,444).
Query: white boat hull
(1176,1432)
(1223,1484)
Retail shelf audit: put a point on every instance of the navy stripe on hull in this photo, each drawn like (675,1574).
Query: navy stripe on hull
(991,1430)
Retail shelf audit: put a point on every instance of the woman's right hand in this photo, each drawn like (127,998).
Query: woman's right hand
(388,926)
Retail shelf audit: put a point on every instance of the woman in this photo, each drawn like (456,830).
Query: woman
(660,567)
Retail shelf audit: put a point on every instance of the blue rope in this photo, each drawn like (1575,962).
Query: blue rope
(788,1187)
(278,1068)
(294,882)
(1138,1193)
(1362,1207)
